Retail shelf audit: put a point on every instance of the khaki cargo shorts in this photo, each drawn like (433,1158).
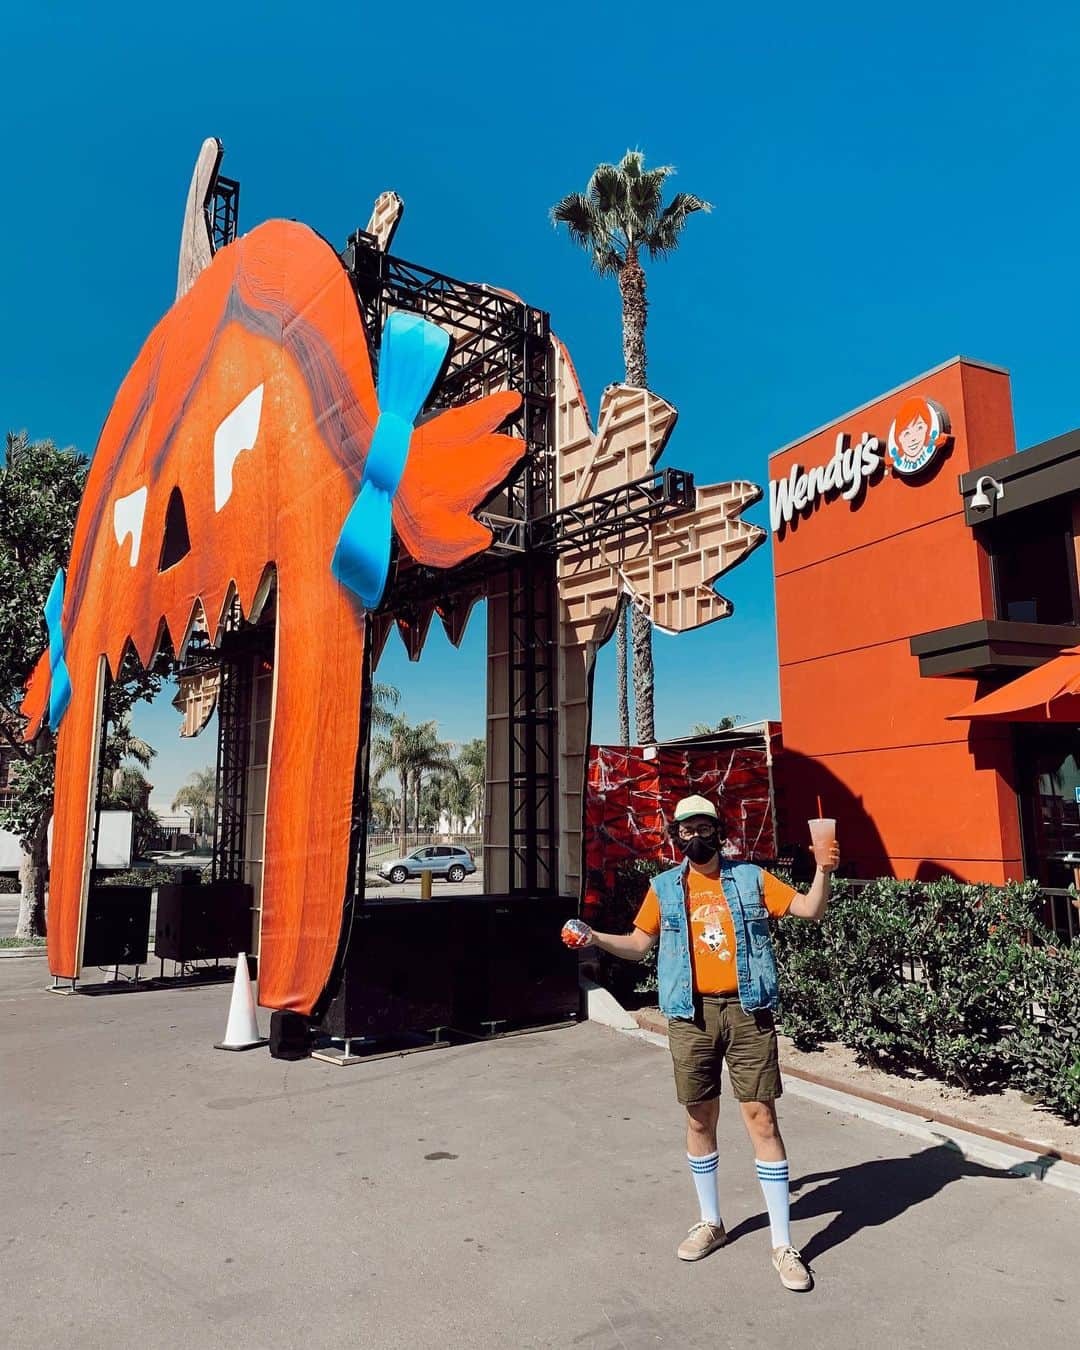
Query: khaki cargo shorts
(721,1031)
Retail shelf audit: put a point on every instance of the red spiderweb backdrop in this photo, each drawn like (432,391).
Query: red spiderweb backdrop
(630,799)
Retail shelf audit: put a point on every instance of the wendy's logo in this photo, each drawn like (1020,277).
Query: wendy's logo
(919,430)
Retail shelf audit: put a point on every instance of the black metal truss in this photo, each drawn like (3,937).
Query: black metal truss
(630,506)
(499,342)
(609,515)
(223,211)
(234,737)
(533,727)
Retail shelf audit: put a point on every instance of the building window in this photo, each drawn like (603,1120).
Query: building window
(1035,567)
(1048,764)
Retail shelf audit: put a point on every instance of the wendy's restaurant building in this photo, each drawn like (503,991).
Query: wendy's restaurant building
(927,580)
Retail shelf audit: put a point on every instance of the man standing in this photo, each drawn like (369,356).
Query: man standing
(718,987)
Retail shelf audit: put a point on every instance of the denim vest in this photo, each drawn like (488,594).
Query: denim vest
(754,961)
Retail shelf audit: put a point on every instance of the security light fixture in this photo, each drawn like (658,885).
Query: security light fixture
(980,501)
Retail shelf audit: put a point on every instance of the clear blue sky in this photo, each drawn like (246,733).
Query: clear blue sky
(892,187)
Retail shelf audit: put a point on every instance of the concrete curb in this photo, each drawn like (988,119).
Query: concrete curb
(604,1008)
(1020,1157)
(13,952)
(1021,1162)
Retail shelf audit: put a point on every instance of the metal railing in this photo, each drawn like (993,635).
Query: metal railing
(1058,910)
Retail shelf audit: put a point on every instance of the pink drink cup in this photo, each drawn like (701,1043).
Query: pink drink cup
(822,833)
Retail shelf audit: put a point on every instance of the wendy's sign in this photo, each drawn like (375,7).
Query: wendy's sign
(918,431)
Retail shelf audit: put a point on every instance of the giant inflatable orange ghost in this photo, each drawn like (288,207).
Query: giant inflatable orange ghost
(250,413)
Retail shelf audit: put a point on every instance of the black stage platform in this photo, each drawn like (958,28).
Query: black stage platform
(476,964)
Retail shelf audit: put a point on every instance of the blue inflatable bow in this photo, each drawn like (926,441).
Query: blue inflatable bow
(411,356)
(60,686)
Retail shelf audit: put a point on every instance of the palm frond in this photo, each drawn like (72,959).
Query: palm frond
(632,163)
(607,190)
(622,208)
(643,204)
(685,203)
(582,220)
(664,237)
(608,260)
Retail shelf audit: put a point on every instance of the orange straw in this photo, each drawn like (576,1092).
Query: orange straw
(819,808)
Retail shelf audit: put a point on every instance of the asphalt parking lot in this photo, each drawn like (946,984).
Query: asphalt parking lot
(522,1192)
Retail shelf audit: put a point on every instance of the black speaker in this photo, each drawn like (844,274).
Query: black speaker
(290,1036)
(203,923)
(398,973)
(117,926)
(514,967)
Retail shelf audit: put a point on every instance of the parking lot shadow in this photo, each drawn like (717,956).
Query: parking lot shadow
(871,1194)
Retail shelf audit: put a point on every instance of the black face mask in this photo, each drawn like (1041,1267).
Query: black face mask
(699,850)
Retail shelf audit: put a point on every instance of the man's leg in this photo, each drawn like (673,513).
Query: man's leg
(697,1084)
(764,1131)
(703,1157)
(770,1160)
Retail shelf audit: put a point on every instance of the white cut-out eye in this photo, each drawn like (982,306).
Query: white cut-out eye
(235,434)
(128,513)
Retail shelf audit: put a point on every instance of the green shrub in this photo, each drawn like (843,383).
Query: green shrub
(9,886)
(629,981)
(1044,1044)
(994,1001)
(148,876)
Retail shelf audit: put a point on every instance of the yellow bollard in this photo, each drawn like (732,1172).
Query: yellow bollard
(425,884)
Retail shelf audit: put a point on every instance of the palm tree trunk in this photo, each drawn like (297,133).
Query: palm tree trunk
(404,811)
(641,630)
(635,313)
(620,674)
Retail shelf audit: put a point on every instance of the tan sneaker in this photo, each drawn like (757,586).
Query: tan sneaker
(791,1268)
(702,1239)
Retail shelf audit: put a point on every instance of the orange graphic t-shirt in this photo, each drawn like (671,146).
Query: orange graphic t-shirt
(712,933)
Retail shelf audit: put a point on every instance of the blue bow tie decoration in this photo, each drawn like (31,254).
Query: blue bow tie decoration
(60,685)
(410,358)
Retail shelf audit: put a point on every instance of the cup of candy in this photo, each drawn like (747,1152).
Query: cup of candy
(576,934)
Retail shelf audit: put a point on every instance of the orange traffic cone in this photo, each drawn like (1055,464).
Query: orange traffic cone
(242,1031)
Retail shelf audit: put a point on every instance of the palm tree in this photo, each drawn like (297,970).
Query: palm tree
(429,754)
(390,757)
(383,698)
(448,792)
(409,752)
(383,805)
(130,791)
(472,766)
(433,800)
(121,744)
(458,799)
(199,795)
(620,213)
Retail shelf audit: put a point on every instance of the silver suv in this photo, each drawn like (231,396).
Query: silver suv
(442,860)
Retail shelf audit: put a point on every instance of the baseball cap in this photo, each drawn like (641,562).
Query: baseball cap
(695,806)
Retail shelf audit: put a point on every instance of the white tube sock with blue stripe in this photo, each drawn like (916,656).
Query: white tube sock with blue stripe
(774,1183)
(704,1174)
